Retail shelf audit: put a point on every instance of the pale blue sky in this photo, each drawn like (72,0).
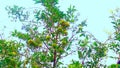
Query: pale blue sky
(96,12)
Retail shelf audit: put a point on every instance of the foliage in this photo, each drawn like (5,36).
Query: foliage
(75,64)
(48,45)
(9,54)
(115,44)
(114,66)
(50,35)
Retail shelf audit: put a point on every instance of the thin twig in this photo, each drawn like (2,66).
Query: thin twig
(69,53)
(46,45)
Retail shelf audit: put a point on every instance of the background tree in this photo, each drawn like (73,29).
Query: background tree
(9,53)
(115,38)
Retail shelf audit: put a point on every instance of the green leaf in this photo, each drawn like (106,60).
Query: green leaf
(80,54)
(68,48)
(37,1)
(83,23)
(113,22)
(95,43)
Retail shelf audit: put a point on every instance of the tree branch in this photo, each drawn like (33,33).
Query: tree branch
(46,45)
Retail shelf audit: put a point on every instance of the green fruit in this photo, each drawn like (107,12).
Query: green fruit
(48,37)
(35,44)
(65,32)
(30,41)
(62,21)
(12,53)
(37,40)
(67,24)
(40,45)
(59,29)
(35,65)
(54,45)
(60,49)
(64,42)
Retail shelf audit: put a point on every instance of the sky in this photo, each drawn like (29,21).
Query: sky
(96,12)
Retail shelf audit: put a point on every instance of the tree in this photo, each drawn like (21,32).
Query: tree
(115,43)
(9,54)
(53,42)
